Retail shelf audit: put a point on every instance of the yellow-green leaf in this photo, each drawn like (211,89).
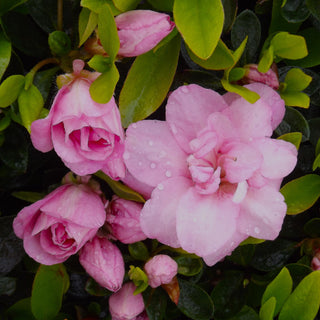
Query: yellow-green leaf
(293,137)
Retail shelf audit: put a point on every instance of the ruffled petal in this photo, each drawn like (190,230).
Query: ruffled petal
(41,134)
(188,109)
(152,154)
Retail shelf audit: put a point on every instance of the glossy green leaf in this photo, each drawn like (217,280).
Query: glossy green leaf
(266,60)
(108,33)
(230,8)
(188,266)
(279,288)
(139,279)
(296,80)
(236,74)
(100,63)
(267,309)
(30,104)
(316,163)
(49,285)
(7,5)
(10,88)
(162,5)
(28,196)
(314,7)
(303,303)
(312,228)
(194,302)
(21,310)
(155,301)
(200,24)
(102,89)
(251,240)
(295,11)
(301,194)
(220,59)
(5,53)
(120,189)
(148,82)
(96,5)
(138,251)
(126,5)
(88,21)
(292,137)
(295,99)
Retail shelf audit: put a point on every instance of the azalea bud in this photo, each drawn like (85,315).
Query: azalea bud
(123,218)
(124,305)
(270,78)
(160,270)
(103,262)
(59,43)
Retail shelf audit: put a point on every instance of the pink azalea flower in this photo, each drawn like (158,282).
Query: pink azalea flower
(86,135)
(58,226)
(215,170)
(104,262)
(160,270)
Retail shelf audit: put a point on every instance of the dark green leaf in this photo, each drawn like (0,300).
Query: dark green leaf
(314,125)
(246,313)
(303,303)
(7,286)
(30,105)
(94,289)
(21,310)
(108,33)
(50,283)
(301,194)
(162,5)
(156,303)
(246,24)
(88,21)
(148,82)
(125,5)
(279,288)
(138,251)
(312,227)
(298,271)
(10,89)
(295,11)
(188,266)
(102,89)
(28,196)
(194,302)
(314,7)
(43,80)
(5,53)
(230,8)
(7,5)
(200,23)
(242,255)
(5,121)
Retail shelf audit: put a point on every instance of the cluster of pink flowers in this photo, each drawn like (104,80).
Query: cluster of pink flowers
(211,173)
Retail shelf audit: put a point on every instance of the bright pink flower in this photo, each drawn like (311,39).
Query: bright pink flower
(141,30)
(215,170)
(124,305)
(104,262)
(57,226)
(86,135)
(123,220)
(160,270)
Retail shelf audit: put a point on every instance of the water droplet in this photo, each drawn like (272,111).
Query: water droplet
(256,230)
(160,186)
(134,125)
(150,143)
(153,165)
(184,89)
(168,173)
(126,156)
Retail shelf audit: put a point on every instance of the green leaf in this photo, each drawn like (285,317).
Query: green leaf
(88,21)
(188,266)
(230,8)
(279,288)
(28,196)
(236,74)
(200,24)
(267,309)
(138,251)
(301,194)
(314,7)
(43,81)
(242,255)
(126,5)
(251,240)
(5,121)
(102,89)
(100,63)
(292,137)
(295,99)
(49,285)
(120,189)
(7,5)
(139,279)
(59,43)
(246,313)
(289,46)
(94,289)
(266,60)
(295,11)
(10,89)
(194,302)
(296,80)
(303,303)
(148,82)
(220,59)
(96,5)
(7,285)
(162,5)
(30,105)
(312,228)
(5,53)
(155,301)
(108,33)
(21,310)
(316,163)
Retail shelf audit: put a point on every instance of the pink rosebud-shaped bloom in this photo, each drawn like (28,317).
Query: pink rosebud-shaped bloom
(160,270)
(103,261)
(124,305)
(57,226)
(141,30)
(86,135)
(214,169)
(123,219)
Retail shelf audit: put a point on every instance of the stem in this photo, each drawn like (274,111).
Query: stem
(60,15)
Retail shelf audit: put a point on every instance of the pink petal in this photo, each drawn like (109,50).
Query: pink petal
(152,154)
(188,109)
(158,216)
(205,224)
(262,213)
(41,134)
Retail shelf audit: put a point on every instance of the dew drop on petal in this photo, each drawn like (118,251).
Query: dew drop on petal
(168,173)
(126,156)
(150,143)
(153,165)
(134,125)
(160,186)
(184,89)
(256,230)
(162,154)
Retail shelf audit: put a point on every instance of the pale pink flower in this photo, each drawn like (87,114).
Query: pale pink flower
(123,220)
(160,270)
(86,135)
(57,226)
(141,30)
(103,261)
(215,170)
(124,305)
